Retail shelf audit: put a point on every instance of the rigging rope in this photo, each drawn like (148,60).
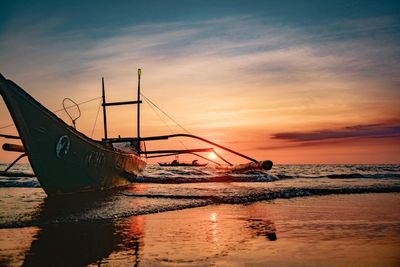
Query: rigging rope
(170,129)
(183,128)
(95,121)
(58,110)
(172,119)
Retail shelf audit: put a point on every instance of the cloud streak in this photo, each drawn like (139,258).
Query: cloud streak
(236,72)
(355,131)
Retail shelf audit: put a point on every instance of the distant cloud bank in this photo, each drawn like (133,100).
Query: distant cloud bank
(355,131)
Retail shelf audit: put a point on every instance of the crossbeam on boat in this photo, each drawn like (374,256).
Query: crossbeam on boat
(16,174)
(121,103)
(8,136)
(182,151)
(120,139)
(13,147)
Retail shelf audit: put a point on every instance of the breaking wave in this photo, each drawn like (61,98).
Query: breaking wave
(165,189)
(177,175)
(19,182)
(126,203)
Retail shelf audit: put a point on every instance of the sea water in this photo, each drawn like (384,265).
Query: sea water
(108,226)
(171,188)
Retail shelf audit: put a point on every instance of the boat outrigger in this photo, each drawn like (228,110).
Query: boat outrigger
(65,160)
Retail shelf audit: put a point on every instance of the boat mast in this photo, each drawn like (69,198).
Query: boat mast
(138,109)
(104,108)
(104,104)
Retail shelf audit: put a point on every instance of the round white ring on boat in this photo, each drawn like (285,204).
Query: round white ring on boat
(62,146)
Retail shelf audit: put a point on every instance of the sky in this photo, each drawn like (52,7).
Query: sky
(291,81)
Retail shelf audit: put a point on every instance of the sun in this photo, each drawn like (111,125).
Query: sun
(212,155)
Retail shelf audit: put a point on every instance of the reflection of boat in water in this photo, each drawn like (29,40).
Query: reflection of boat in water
(81,243)
(193,236)
(262,227)
(176,163)
(72,244)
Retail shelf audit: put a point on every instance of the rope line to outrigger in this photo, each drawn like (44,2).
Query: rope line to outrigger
(166,114)
(95,121)
(151,104)
(166,124)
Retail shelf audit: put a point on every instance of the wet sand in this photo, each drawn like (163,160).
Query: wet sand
(335,230)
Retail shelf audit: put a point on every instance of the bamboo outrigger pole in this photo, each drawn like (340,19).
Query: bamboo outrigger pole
(163,137)
(179,151)
(10,136)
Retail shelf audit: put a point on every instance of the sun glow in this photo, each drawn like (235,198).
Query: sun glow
(212,155)
(213,217)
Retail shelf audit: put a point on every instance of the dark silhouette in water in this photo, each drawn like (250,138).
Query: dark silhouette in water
(176,163)
(72,244)
(66,237)
(60,243)
(263,227)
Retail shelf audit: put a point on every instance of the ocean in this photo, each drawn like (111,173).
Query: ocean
(204,215)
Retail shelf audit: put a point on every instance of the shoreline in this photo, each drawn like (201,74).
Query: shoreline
(181,202)
(38,197)
(347,229)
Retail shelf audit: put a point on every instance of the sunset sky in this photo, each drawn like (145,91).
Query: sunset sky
(289,81)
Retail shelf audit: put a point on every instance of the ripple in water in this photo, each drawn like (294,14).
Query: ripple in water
(168,188)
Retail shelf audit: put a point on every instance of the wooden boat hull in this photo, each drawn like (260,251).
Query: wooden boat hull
(63,159)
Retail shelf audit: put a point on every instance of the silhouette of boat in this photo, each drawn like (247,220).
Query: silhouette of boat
(65,160)
(181,164)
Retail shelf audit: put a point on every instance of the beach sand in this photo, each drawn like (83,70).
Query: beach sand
(335,230)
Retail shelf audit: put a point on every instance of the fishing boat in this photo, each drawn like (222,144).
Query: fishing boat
(181,164)
(65,160)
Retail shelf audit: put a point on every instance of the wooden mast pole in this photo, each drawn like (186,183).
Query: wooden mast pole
(104,108)
(138,110)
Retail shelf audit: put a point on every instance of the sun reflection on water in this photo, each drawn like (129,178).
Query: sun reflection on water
(213,217)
